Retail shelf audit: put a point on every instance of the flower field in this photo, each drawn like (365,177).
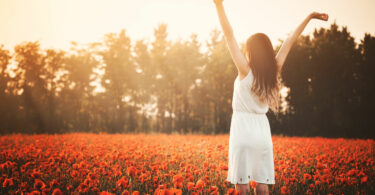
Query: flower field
(84,163)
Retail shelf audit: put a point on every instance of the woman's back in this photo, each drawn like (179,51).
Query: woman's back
(244,100)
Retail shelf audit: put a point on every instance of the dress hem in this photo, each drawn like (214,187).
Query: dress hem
(248,181)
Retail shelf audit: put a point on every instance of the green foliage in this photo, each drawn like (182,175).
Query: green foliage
(326,79)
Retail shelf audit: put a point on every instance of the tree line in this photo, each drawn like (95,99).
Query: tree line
(168,86)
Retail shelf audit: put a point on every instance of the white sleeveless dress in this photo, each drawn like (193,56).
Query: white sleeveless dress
(250,155)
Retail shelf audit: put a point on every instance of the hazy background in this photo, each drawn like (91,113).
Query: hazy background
(163,66)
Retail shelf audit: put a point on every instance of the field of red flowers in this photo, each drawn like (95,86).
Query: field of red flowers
(83,163)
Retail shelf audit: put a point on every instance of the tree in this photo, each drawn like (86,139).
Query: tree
(119,80)
(219,75)
(366,87)
(162,89)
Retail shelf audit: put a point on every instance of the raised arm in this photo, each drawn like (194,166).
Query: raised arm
(238,58)
(288,43)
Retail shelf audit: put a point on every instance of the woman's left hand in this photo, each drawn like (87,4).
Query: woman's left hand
(320,16)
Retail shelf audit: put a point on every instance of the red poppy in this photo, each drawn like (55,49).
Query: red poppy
(7,182)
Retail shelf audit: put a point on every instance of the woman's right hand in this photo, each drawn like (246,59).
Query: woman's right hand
(217,2)
(320,16)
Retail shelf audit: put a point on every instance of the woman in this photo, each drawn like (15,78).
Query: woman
(256,90)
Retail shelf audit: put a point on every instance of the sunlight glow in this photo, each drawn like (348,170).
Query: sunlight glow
(56,23)
(60,24)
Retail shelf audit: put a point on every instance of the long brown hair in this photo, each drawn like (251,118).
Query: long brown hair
(266,84)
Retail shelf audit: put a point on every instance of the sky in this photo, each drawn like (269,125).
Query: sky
(55,23)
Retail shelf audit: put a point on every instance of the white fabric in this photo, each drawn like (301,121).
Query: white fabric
(250,155)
